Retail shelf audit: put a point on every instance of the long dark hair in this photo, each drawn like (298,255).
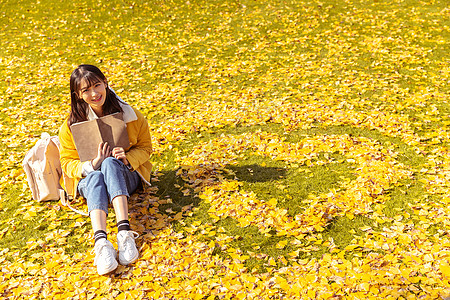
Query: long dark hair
(79,109)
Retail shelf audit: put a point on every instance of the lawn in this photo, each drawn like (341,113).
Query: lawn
(301,148)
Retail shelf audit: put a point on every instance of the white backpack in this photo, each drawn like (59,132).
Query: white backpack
(43,170)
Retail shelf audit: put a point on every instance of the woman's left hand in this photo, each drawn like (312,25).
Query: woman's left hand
(119,153)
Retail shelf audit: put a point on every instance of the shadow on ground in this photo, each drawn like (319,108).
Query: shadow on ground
(256,173)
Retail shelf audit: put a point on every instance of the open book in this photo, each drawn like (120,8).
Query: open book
(88,135)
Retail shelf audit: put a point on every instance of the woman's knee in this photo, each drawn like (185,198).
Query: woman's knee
(110,163)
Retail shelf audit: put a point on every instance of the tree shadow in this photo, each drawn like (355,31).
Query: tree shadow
(256,173)
(153,208)
(170,186)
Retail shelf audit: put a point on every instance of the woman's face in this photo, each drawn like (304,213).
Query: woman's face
(94,95)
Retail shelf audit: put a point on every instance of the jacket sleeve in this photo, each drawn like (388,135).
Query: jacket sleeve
(70,161)
(140,152)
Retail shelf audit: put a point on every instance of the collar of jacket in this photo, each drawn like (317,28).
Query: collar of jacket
(128,113)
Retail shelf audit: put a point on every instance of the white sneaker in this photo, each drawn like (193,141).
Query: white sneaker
(128,252)
(105,257)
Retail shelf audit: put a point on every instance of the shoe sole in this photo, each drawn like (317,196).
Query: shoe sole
(108,270)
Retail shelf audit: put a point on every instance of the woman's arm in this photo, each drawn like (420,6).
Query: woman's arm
(141,151)
(70,161)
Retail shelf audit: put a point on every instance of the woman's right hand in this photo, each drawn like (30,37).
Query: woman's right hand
(103,152)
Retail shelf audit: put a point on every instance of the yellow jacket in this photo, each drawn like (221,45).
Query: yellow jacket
(138,154)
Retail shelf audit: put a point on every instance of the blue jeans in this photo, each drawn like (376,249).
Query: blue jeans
(112,179)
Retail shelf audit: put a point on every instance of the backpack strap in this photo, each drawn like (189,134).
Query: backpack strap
(65,200)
